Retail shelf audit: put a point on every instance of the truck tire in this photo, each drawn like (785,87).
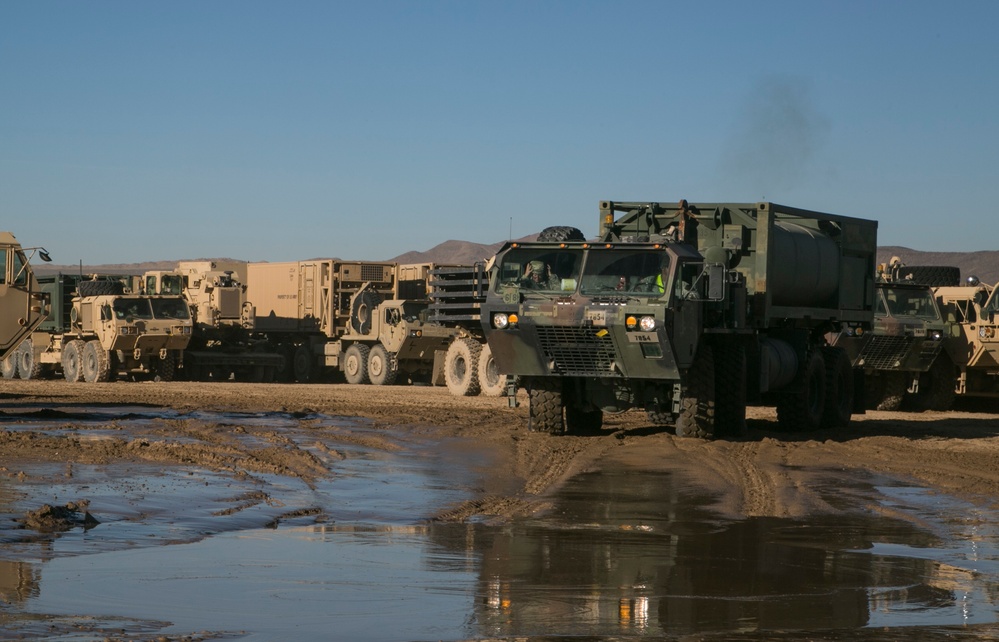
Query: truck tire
(362,311)
(9,366)
(545,405)
(839,388)
(886,392)
(355,363)
(697,403)
(461,367)
(99,288)
(95,362)
(27,367)
(803,410)
(660,417)
(165,369)
(560,233)
(730,388)
(935,276)
(936,387)
(286,372)
(491,381)
(383,367)
(72,360)
(301,364)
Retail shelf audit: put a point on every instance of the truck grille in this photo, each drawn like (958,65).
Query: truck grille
(886,353)
(578,351)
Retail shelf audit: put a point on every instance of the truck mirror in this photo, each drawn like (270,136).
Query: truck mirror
(716,281)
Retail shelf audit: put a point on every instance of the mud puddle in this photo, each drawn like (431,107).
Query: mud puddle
(622,554)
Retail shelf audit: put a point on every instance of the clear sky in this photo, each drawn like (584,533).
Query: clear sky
(279,131)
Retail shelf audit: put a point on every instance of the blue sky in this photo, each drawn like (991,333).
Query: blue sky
(279,131)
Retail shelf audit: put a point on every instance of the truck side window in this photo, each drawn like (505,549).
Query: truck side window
(3,269)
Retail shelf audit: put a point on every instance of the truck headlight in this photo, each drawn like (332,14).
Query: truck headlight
(502,320)
(986,332)
(647,324)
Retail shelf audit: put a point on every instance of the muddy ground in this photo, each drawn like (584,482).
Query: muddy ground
(766,473)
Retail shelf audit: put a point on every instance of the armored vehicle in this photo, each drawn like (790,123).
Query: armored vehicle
(24,305)
(690,311)
(105,331)
(903,355)
(222,345)
(974,346)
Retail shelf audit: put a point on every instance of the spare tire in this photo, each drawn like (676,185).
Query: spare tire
(560,233)
(98,288)
(935,276)
(362,311)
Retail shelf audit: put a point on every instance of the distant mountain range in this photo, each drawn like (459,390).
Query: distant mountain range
(983,264)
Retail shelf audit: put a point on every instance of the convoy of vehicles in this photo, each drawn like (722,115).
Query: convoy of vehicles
(690,311)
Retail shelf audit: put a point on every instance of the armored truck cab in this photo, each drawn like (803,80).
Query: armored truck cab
(974,346)
(689,311)
(903,354)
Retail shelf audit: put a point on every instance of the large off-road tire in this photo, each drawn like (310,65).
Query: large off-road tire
(99,288)
(301,364)
(72,360)
(560,233)
(730,388)
(165,369)
(285,373)
(936,387)
(697,402)
(27,366)
(839,388)
(887,391)
(461,367)
(355,363)
(95,362)
(935,276)
(8,368)
(545,405)
(362,311)
(383,367)
(804,410)
(660,417)
(491,381)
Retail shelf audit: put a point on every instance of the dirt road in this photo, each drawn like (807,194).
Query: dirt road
(765,474)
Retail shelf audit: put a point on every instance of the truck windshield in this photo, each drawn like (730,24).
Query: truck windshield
(172,284)
(542,269)
(907,303)
(132,308)
(171,309)
(624,272)
(992,305)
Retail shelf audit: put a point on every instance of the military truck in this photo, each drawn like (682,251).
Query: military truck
(973,348)
(365,320)
(903,355)
(101,330)
(690,311)
(222,345)
(25,306)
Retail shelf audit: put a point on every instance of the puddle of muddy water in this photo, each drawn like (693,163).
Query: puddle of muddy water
(622,555)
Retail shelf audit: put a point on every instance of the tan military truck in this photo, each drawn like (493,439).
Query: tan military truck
(25,306)
(333,317)
(974,348)
(222,345)
(111,333)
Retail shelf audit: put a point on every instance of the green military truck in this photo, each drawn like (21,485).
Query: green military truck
(99,330)
(903,356)
(690,311)
(25,306)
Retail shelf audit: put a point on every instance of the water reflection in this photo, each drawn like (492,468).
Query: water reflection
(626,555)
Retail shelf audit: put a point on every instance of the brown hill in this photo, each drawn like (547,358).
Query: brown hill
(983,264)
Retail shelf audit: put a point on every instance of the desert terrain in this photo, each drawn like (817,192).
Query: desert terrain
(766,473)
